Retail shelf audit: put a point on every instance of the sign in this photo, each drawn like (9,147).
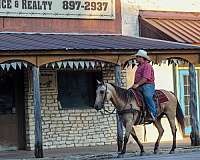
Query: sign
(89,9)
(48,81)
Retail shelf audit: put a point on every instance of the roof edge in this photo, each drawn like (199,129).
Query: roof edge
(62,33)
(150,14)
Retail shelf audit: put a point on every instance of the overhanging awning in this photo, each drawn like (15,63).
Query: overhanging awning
(40,49)
(174,26)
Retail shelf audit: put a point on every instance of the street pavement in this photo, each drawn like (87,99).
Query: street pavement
(184,151)
(178,156)
(187,155)
(181,155)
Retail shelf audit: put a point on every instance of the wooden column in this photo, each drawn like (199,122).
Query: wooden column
(195,140)
(119,122)
(37,113)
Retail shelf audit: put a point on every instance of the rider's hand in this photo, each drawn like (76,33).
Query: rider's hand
(135,86)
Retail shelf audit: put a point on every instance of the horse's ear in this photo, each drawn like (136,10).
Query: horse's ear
(99,82)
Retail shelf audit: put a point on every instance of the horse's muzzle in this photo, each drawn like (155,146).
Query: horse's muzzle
(97,107)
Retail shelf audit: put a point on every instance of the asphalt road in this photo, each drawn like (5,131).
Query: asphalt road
(194,155)
(178,156)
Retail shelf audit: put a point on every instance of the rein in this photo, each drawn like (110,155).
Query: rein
(106,112)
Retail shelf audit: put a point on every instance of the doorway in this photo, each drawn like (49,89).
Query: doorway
(12,111)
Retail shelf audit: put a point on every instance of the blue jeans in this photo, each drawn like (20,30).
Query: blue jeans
(148,90)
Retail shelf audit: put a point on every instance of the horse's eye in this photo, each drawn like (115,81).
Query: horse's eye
(101,92)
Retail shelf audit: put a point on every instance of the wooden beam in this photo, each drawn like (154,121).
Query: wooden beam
(192,58)
(37,113)
(44,57)
(119,121)
(42,60)
(195,139)
(29,59)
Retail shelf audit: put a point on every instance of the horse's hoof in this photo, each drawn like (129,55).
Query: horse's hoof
(171,152)
(142,153)
(155,151)
(120,155)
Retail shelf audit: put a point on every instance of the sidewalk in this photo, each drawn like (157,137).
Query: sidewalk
(97,152)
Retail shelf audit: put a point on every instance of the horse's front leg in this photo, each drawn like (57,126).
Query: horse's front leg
(119,133)
(137,141)
(128,128)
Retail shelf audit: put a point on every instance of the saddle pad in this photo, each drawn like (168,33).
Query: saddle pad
(161,96)
(140,100)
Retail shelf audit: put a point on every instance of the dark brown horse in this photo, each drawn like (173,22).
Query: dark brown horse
(122,100)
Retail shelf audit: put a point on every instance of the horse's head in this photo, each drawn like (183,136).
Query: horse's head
(102,93)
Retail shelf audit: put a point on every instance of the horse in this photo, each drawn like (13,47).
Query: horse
(123,101)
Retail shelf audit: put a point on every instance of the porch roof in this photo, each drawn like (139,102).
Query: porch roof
(40,49)
(38,41)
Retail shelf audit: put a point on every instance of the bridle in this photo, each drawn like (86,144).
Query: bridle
(104,98)
(106,112)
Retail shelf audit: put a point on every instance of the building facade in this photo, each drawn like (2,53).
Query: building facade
(70,123)
(67,85)
(178,76)
(67,93)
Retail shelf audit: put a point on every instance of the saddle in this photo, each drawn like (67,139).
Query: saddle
(159,98)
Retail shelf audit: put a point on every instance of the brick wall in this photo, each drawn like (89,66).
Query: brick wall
(63,25)
(70,127)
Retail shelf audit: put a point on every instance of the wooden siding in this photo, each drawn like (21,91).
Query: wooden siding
(63,25)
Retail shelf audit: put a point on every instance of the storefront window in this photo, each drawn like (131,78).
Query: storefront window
(77,89)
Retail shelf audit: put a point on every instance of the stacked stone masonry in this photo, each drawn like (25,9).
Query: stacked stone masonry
(70,127)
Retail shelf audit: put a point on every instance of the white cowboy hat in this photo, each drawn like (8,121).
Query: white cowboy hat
(143,53)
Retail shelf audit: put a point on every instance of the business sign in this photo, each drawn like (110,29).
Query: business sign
(90,9)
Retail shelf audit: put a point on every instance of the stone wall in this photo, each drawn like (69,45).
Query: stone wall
(69,127)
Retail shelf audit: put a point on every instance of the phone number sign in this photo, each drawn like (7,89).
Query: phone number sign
(89,9)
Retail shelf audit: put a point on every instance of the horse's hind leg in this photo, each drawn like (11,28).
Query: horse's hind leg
(137,141)
(171,119)
(160,129)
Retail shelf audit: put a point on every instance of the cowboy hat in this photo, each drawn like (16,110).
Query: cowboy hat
(143,53)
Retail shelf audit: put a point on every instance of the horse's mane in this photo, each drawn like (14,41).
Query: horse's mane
(122,93)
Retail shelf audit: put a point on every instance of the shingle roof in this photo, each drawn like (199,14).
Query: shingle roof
(38,41)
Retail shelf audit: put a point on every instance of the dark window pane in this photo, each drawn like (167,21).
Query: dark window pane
(77,89)
(187,100)
(6,93)
(185,77)
(188,89)
(187,110)
(185,90)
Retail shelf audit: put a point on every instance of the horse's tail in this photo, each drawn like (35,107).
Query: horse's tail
(180,117)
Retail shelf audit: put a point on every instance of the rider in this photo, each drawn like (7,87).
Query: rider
(144,80)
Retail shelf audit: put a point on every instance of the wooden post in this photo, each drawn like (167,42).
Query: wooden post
(195,140)
(37,113)
(119,122)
